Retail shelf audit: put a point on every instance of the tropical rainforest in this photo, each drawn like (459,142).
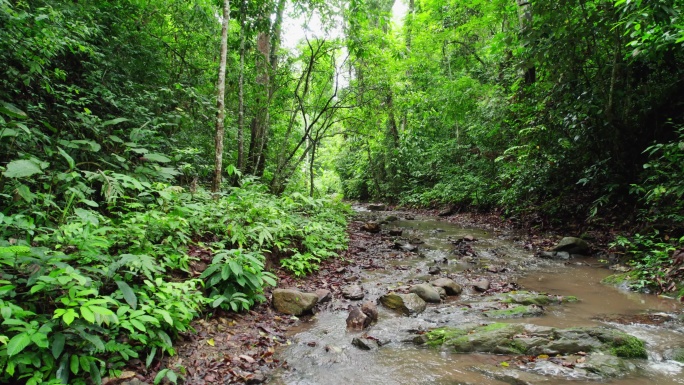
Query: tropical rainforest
(156,156)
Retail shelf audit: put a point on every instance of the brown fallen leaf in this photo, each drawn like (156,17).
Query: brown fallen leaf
(247,358)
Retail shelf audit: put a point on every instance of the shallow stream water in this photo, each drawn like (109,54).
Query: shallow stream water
(321,351)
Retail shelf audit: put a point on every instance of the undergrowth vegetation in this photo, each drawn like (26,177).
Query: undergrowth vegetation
(81,298)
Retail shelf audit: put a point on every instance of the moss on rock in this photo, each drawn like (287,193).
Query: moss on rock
(516,312)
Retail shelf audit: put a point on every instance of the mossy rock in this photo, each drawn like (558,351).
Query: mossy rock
(675,355)
(520,311)
(627,346)
(502,338)
(523,297)
(621,279)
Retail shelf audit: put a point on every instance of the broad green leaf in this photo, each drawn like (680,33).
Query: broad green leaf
(114,122)
(68,158)
(218,301)
(160,376)
(157,158)
(8,132)
(94,146)
(138,325)
(58,341)
(12,111)
(74,364)
(22,168)
(40,340)
(87,314)
(150,357)
(128,294)
(69,316)
(172,376)
(95,373)
(18,343)
(93,339)
(166,315)
(6,312)
(63,370)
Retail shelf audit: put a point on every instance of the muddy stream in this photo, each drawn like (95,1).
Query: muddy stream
(320,349)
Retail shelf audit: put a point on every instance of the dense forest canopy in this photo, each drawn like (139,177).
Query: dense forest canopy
(545,110)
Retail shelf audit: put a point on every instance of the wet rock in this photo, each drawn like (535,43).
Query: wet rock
(512,376)
(447,211)
(556,255)
(409,217)
(407,304)
(370,309)
(451,287)
(527,298)
(500,338)
(324,295)
(426,292)
(292,301)
(416,241)
(520,311)
(573,245)
(376,207)
(371,227)
(353,292)
(433,270)
(606,365)
(391,218)
(396,232)
(481,285)
(364,343)
(406,247)
(357,319)
(676,354)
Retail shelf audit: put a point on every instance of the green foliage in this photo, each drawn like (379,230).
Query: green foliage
(651,261)
(98,288)
(235,279)
(660,188)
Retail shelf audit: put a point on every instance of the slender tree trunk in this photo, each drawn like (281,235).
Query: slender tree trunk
(525,15)
(220,100)
(311,168)
(241,91)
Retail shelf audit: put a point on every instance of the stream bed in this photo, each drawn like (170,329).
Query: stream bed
(320,349)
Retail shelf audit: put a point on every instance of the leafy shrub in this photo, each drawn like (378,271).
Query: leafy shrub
(651,261)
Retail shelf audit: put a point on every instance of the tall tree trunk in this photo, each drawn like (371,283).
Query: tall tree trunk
(529,72)
(220,100)
(311,168)
(241,91)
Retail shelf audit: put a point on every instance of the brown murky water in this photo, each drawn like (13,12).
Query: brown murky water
(321,352)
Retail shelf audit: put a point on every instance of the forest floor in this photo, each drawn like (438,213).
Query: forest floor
(236,348)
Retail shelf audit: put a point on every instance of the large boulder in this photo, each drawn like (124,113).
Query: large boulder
(357,319)
(294,302)
(451,287)
(519,311)
(353,292)
(376,207)
(370,309)
(501,338)
(572,245)
(426,292)
(407,304)
(606,365)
